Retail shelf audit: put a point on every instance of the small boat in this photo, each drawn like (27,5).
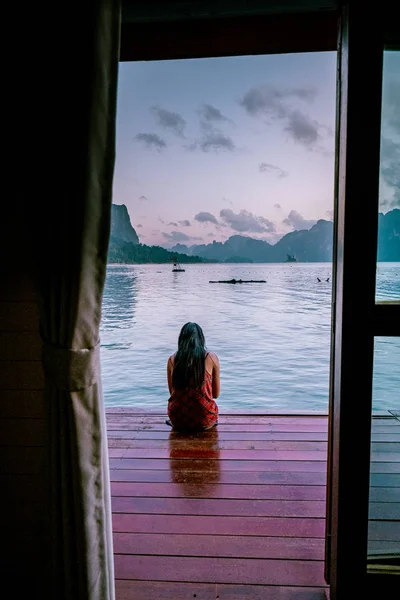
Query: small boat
(177,267)
(290,258)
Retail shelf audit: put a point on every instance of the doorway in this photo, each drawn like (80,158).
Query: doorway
(228,164)
(364,427)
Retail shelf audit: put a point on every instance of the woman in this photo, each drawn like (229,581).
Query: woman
(193,382)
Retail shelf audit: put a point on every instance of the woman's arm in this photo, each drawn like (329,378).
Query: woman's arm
(170,367)
(215,374)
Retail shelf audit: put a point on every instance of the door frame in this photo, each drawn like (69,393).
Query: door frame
(356,317)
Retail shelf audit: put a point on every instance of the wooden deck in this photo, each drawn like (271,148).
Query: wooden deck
(236,512)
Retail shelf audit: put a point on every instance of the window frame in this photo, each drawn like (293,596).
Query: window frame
(219,35)
(357,317)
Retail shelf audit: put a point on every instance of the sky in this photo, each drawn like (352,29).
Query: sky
(209,148)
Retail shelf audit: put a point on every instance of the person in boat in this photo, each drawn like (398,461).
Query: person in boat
(194,382)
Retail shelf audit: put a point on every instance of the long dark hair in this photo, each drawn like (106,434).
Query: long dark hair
(189,363)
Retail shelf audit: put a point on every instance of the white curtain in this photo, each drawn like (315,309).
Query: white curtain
(71,228)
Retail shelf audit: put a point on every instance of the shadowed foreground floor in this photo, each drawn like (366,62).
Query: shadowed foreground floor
(236,512)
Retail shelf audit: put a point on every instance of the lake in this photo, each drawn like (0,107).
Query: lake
(272,339)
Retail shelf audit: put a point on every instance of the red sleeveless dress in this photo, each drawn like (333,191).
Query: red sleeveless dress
(193,409)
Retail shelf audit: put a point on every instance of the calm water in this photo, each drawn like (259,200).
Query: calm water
(272,339)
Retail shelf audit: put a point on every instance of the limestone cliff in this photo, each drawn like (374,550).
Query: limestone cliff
(121,227)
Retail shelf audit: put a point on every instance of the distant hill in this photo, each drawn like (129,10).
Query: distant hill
(308,245)
(247,248)
(129,253)
(121,227)
(313,245)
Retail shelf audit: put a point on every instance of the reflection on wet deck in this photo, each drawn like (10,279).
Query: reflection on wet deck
(235,512)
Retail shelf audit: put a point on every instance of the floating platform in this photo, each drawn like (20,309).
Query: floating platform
(240,281)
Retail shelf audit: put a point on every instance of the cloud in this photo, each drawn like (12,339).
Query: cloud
(209,113)
(329,214)
(278,206)
(151,140)
(143,198)
(302,129)
(169,120)
(206,217)
(391,103)
(296,221)
(275,104)
(389,150)
(173,224)
(139,225)
(185,223)
(389,192)
(245,221)
(267,168)
(268,100)
(227,201)
(178,236)
(390,174)
(214,141)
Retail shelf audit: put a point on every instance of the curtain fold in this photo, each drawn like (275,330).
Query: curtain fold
(71,225)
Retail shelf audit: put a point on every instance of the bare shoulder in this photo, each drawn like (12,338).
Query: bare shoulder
(214,358)
(171,359)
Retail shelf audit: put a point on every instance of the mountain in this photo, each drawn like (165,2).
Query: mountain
(124,245)
(121,227)
(308,245)
(389,236)
(247,248)
(313,245)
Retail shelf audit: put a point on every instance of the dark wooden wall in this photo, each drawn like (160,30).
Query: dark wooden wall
(24,514)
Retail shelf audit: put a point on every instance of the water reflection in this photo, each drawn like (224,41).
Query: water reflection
(119,299)
(387,282)
(195,462)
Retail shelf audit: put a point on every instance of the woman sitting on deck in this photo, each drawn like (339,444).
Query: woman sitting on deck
(193,382)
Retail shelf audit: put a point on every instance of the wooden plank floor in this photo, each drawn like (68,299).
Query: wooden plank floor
(236,512)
